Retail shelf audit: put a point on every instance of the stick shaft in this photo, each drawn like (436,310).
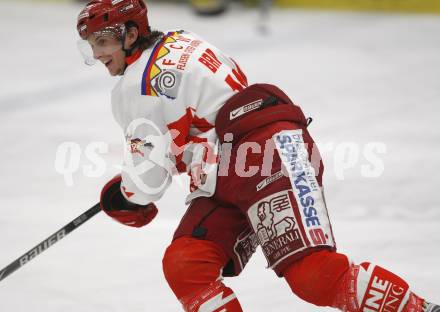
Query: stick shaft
(48,242)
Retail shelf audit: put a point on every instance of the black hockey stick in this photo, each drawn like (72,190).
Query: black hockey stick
(48,242)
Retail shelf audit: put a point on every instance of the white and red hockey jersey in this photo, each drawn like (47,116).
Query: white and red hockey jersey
(166,103)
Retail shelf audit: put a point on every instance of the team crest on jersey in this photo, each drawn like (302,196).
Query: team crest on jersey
(156,81)
(167,83)
(136,146)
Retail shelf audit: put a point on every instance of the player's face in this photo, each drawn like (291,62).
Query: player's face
(108,50)
(105,46)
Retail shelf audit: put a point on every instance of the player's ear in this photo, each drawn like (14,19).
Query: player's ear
(131,37)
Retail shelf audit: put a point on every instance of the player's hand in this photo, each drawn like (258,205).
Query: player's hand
(114,204)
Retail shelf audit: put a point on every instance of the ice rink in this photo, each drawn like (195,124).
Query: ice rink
(363,77)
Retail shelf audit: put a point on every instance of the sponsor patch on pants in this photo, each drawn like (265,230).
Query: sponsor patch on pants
(245,246)
(306,190)
(273,220)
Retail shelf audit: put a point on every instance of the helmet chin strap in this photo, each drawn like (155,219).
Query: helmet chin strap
(128,52)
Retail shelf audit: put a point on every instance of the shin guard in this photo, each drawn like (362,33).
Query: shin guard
(370,288)
(215,298)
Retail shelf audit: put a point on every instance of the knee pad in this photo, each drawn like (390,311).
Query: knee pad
(315,277)
(191,264)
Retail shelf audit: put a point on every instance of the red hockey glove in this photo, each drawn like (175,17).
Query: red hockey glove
(114,204)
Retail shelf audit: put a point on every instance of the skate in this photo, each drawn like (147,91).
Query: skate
(430,307)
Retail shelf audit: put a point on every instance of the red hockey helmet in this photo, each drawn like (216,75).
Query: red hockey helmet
(100,14)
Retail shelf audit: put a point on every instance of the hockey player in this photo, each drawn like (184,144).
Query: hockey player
(178,100)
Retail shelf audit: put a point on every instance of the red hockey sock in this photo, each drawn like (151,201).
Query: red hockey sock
(315,278)
(328,279)
(415,304)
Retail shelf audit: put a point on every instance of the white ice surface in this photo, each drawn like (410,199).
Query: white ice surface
(363,77)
